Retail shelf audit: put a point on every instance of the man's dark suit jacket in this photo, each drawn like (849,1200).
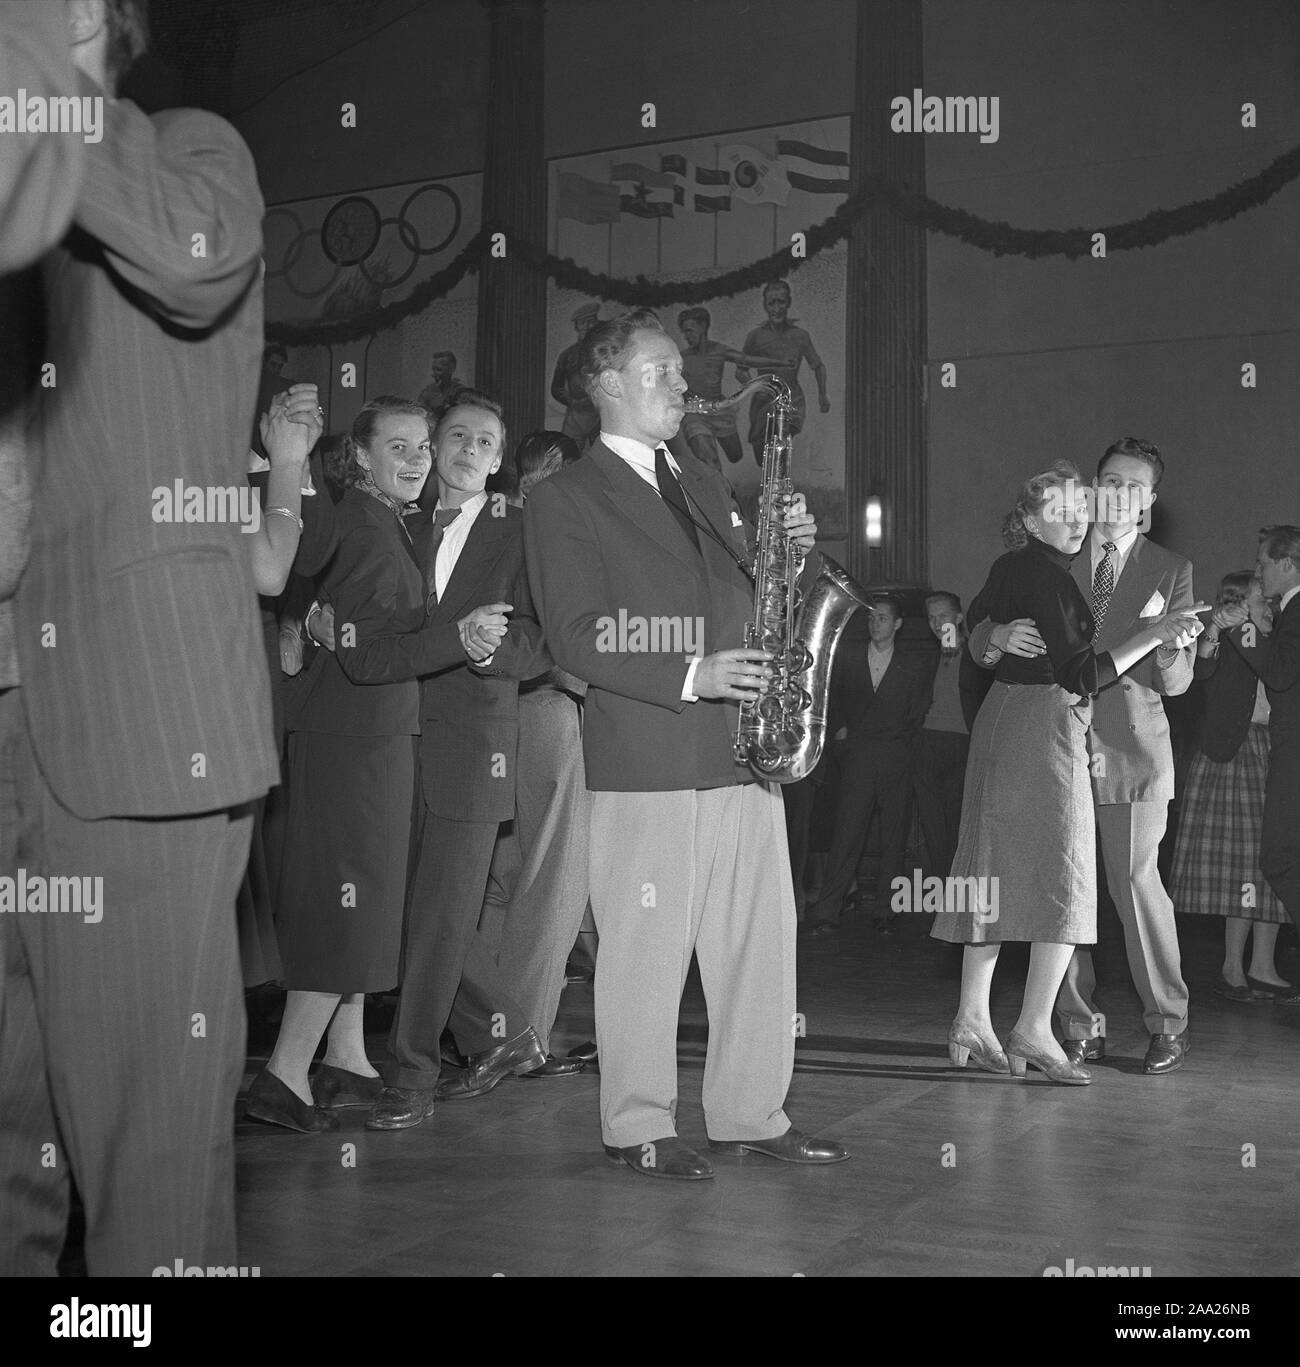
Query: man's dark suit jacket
(1228,687)
(599,542)
(139,641)
(891,716)
(1276,660)
(469,716)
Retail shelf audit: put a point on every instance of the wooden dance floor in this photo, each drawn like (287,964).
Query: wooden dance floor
(1131,1171)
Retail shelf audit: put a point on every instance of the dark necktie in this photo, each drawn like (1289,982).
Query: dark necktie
(672,495)
(1103,585)
(442,519)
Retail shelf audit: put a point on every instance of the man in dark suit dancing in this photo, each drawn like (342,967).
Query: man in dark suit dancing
(146,698)
(885,701)
(472,553)
(637,569)
(1276,659)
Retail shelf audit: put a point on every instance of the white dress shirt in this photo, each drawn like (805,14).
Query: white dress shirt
(453,541)
(641,459)
(1286,598)
(878,660)
(1123,545)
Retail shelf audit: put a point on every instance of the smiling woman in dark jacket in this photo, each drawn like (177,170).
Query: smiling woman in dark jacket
(352,779)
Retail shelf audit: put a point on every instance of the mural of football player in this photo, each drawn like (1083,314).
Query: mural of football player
(581,421)
(784,347)
(703,361)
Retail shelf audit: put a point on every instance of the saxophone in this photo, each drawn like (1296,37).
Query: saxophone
(781,733)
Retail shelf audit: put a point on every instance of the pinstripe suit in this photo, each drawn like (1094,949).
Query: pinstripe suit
(146,696)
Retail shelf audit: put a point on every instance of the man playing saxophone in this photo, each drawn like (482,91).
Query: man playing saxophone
(688,849)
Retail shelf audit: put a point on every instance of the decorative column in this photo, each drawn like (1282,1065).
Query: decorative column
(885,420)
(510,356)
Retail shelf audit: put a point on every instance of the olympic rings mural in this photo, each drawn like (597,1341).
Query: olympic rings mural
(355,252)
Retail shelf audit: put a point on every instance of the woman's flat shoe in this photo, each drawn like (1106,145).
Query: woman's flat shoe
(271,1101)
(1270,989)
(333,1087)
(965,1042)
(1020,1052)
(1233,993)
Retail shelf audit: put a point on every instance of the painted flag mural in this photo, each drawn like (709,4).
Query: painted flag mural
(691,208)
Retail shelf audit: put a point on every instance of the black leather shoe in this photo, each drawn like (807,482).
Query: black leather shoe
(333,1087)
(578,973)
(791,1147)
(1165,1053)
(401,1108)
(271,1101)
(671,1157)
(1291,999)
(1081,1051)
(558,1067)
(519,1055)
(449,1053)
(586,1052)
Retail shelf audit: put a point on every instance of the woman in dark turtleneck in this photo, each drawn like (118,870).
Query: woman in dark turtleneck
(1027,833)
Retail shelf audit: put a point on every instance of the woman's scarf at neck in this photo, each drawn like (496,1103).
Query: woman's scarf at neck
(367,485)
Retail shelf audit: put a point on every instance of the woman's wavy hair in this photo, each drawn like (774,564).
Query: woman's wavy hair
(1234,587)
(1032,499)
(363,430)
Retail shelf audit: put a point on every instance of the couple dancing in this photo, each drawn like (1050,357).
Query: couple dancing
(1062,722)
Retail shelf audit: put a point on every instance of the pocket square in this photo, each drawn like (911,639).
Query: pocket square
(736,519)
(1155,605)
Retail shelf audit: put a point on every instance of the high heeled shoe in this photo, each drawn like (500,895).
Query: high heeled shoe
(333,1087)
(966,1042)
(270,1100)
(1020,1052)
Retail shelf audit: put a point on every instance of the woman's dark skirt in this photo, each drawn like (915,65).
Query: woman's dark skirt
(339,919)
(1026,822)
(1216,860)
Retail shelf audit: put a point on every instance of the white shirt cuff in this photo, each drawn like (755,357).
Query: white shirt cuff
(688,694)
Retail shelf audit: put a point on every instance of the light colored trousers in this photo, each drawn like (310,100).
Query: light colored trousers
(1130,835)
(705,872)
(541,866)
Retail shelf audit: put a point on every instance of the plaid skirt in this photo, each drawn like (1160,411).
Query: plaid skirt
(1216,858)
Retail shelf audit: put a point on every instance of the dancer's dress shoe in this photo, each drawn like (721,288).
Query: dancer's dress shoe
(276,1104)
(586,1052)
(984,1051)
(401,1108)
(1291,999)
(1165,1053)
(1020,1053)
(1270,989)
(578,973)
(1223,988)
(791,1147)
(333,1087)
(558,1067)
(1081,1051)
(670,1157)
(519,1055)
